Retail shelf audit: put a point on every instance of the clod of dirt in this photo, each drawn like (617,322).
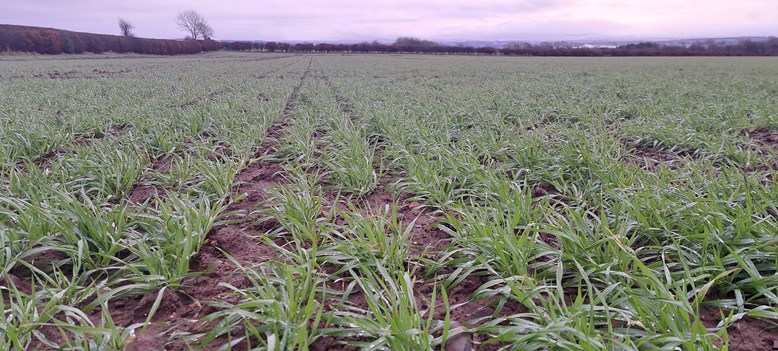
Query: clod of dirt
(544,189)
(44,260)
(221,152)
(461,341)
(9,280)
(44,161)
(650,158)
(142,193)
(164,165)
(145,342)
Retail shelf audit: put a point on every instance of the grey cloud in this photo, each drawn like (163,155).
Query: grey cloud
(433,19)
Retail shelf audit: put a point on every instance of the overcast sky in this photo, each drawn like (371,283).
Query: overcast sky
(428,19)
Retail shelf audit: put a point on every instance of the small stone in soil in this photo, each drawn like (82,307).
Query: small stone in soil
(460,342)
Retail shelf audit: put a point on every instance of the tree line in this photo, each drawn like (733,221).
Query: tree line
(746,47)
(57,41)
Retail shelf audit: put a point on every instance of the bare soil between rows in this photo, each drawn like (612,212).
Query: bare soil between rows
(45,161)
(241,240)
(180,311)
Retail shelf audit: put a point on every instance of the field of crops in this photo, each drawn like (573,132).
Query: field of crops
(380,202)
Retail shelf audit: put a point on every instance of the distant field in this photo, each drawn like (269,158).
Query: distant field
(288,202)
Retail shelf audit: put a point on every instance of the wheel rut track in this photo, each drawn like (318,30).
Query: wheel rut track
(292,101)
(180,311)
(265,73)
(345,105)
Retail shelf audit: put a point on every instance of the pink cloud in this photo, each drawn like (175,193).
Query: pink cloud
(433,19)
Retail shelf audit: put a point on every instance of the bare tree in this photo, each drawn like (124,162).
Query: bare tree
(126,27)
(194,24)
(206,32)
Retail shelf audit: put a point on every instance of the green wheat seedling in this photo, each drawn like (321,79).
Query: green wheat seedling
(281,309)
(393,320)
(23,315)
(377,240)
(173,234)
(350,162)
(298,208)
(609,203)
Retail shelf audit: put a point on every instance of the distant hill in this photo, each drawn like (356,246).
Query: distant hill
(14,38)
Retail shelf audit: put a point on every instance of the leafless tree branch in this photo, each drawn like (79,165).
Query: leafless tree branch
(126,27)
(194,24)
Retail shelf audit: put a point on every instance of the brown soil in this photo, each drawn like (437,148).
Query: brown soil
(180,311)
(11,279)
(220,152)
(537,126)
(331,344)
(115,130)
(197,100)
(44,161)
(45,261)
(345,107)
(747,334)
(768,142)
(290,103)
(109,73)
(767,137)
(142,193)
(163,165)
(653,159)
(144,190)
(59,75)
